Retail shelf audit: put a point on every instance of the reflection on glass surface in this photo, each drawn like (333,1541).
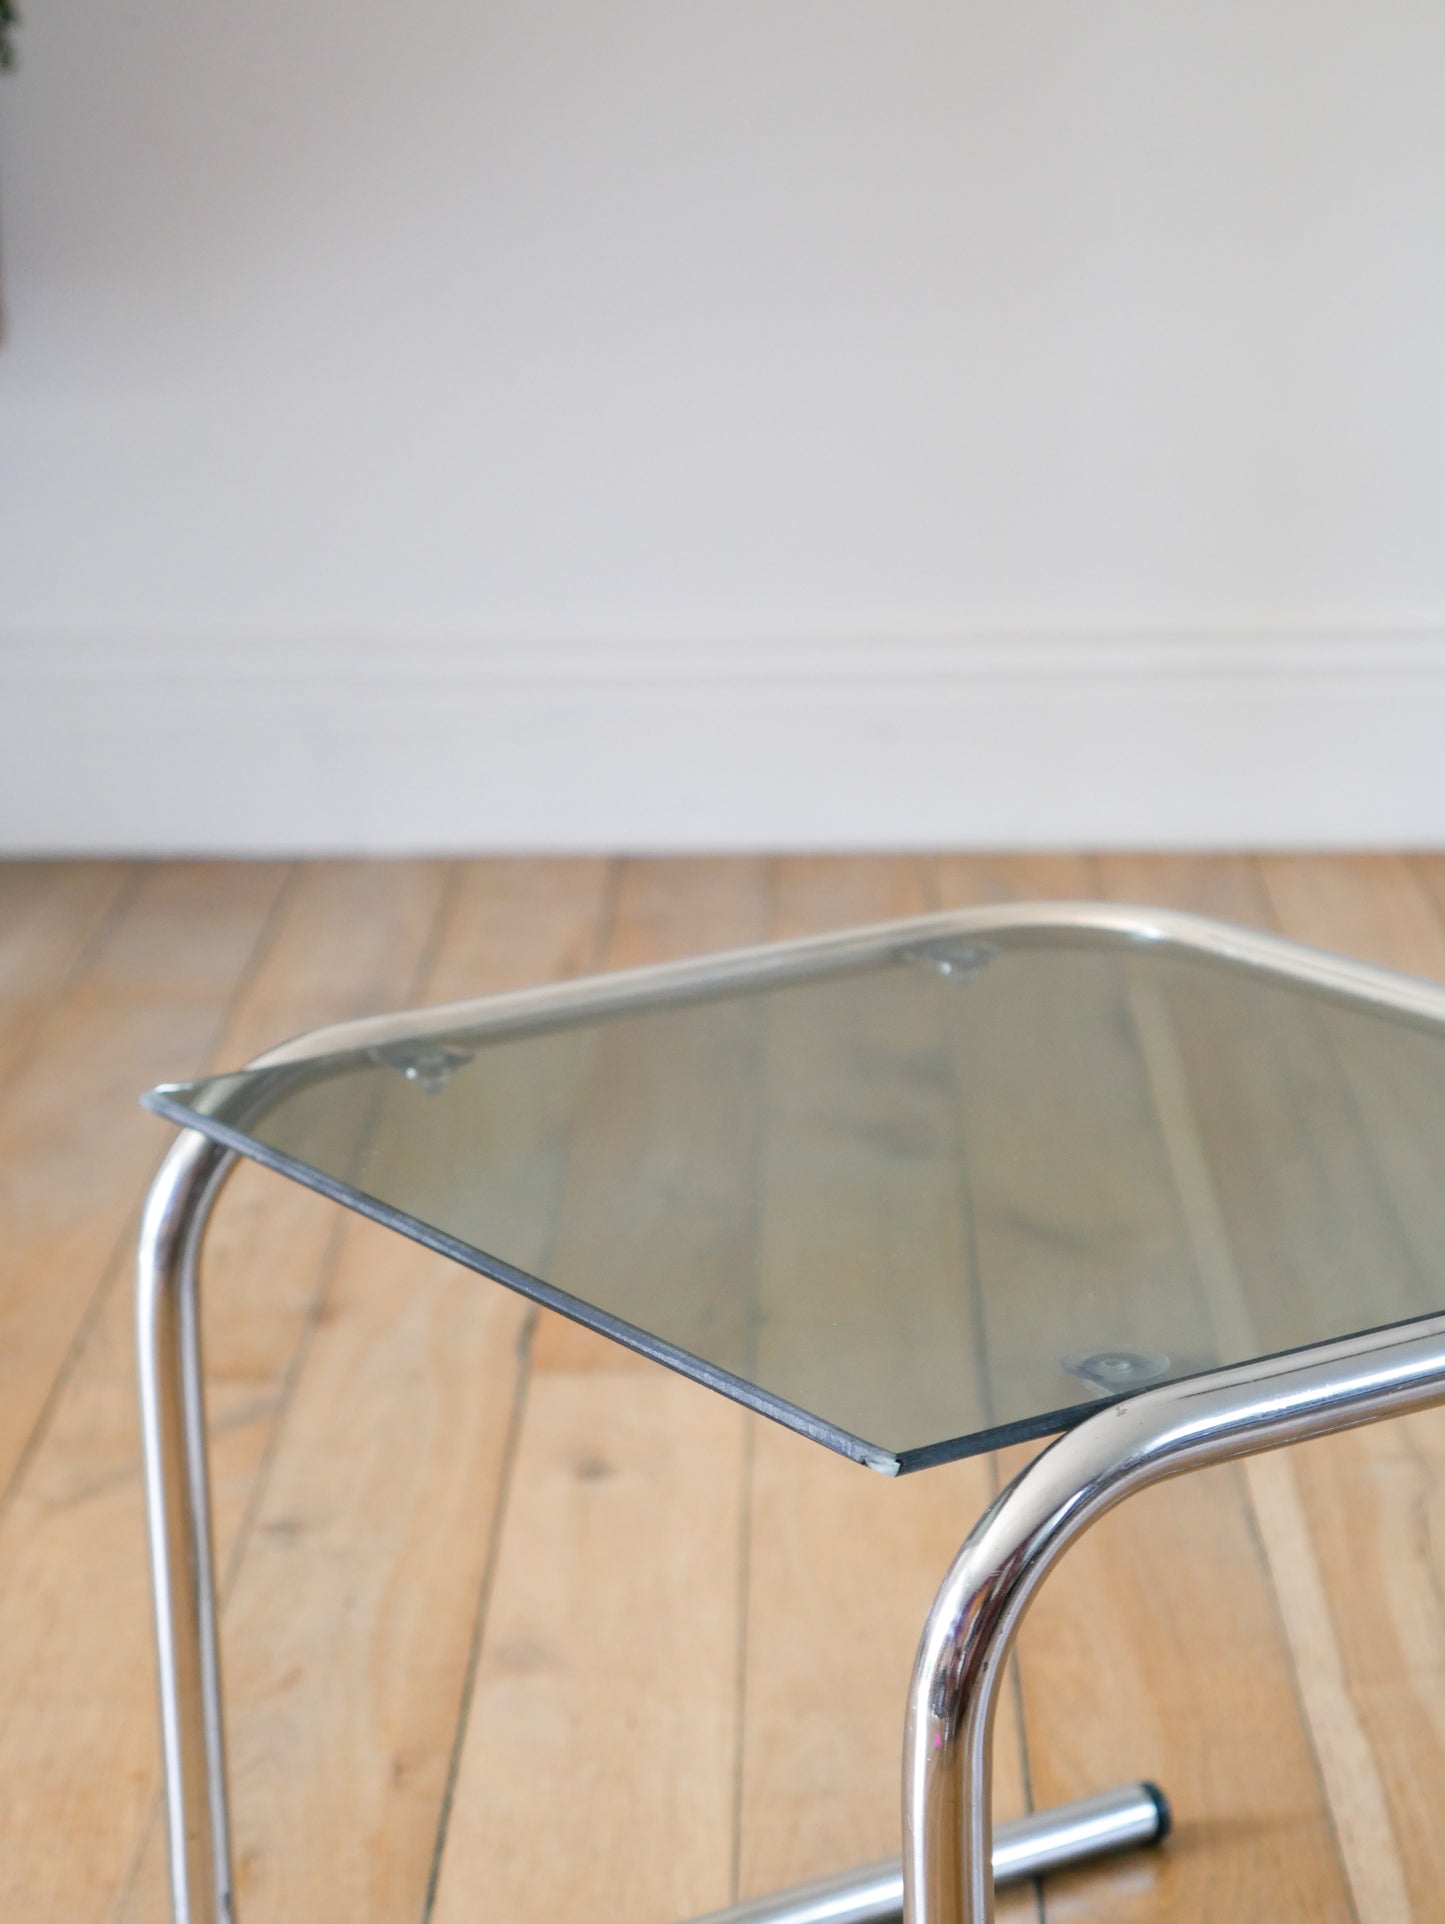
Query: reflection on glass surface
(957,1194)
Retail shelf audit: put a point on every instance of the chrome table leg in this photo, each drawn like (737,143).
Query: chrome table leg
(173,1434)
(1162,1432)
(949,1855)
(1047,1841)
(173,1437)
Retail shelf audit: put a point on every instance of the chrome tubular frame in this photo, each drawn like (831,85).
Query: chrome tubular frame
(178,1504)
(1030,1847)
(950,1859)
(1272,957)
(177,1484)
(1125,1448)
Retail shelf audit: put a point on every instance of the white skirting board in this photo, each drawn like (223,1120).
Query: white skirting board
(123,744)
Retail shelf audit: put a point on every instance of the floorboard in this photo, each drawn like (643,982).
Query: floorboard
(606,1682)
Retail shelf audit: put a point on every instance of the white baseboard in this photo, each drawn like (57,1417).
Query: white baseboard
(119,744)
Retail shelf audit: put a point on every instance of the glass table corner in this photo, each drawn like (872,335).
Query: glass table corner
(1164,1190)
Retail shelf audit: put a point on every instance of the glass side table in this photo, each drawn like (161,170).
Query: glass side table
(1091,1155)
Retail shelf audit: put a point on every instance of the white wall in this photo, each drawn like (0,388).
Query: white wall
(678,421)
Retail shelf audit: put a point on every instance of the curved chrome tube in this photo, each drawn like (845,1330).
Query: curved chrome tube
(1272,956)
(178,1502)
(947,1766)
(173,1435)
(948,1846)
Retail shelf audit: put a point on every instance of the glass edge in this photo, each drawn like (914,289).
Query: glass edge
(1056,1422)
(657,1349)
(1001,1436)
(889,1462)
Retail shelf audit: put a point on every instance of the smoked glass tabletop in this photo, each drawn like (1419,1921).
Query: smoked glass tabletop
(915,1191)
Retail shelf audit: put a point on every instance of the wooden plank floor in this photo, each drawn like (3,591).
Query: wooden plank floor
(520,1628)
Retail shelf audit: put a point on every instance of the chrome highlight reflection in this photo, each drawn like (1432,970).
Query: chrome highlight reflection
(1046,1841)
